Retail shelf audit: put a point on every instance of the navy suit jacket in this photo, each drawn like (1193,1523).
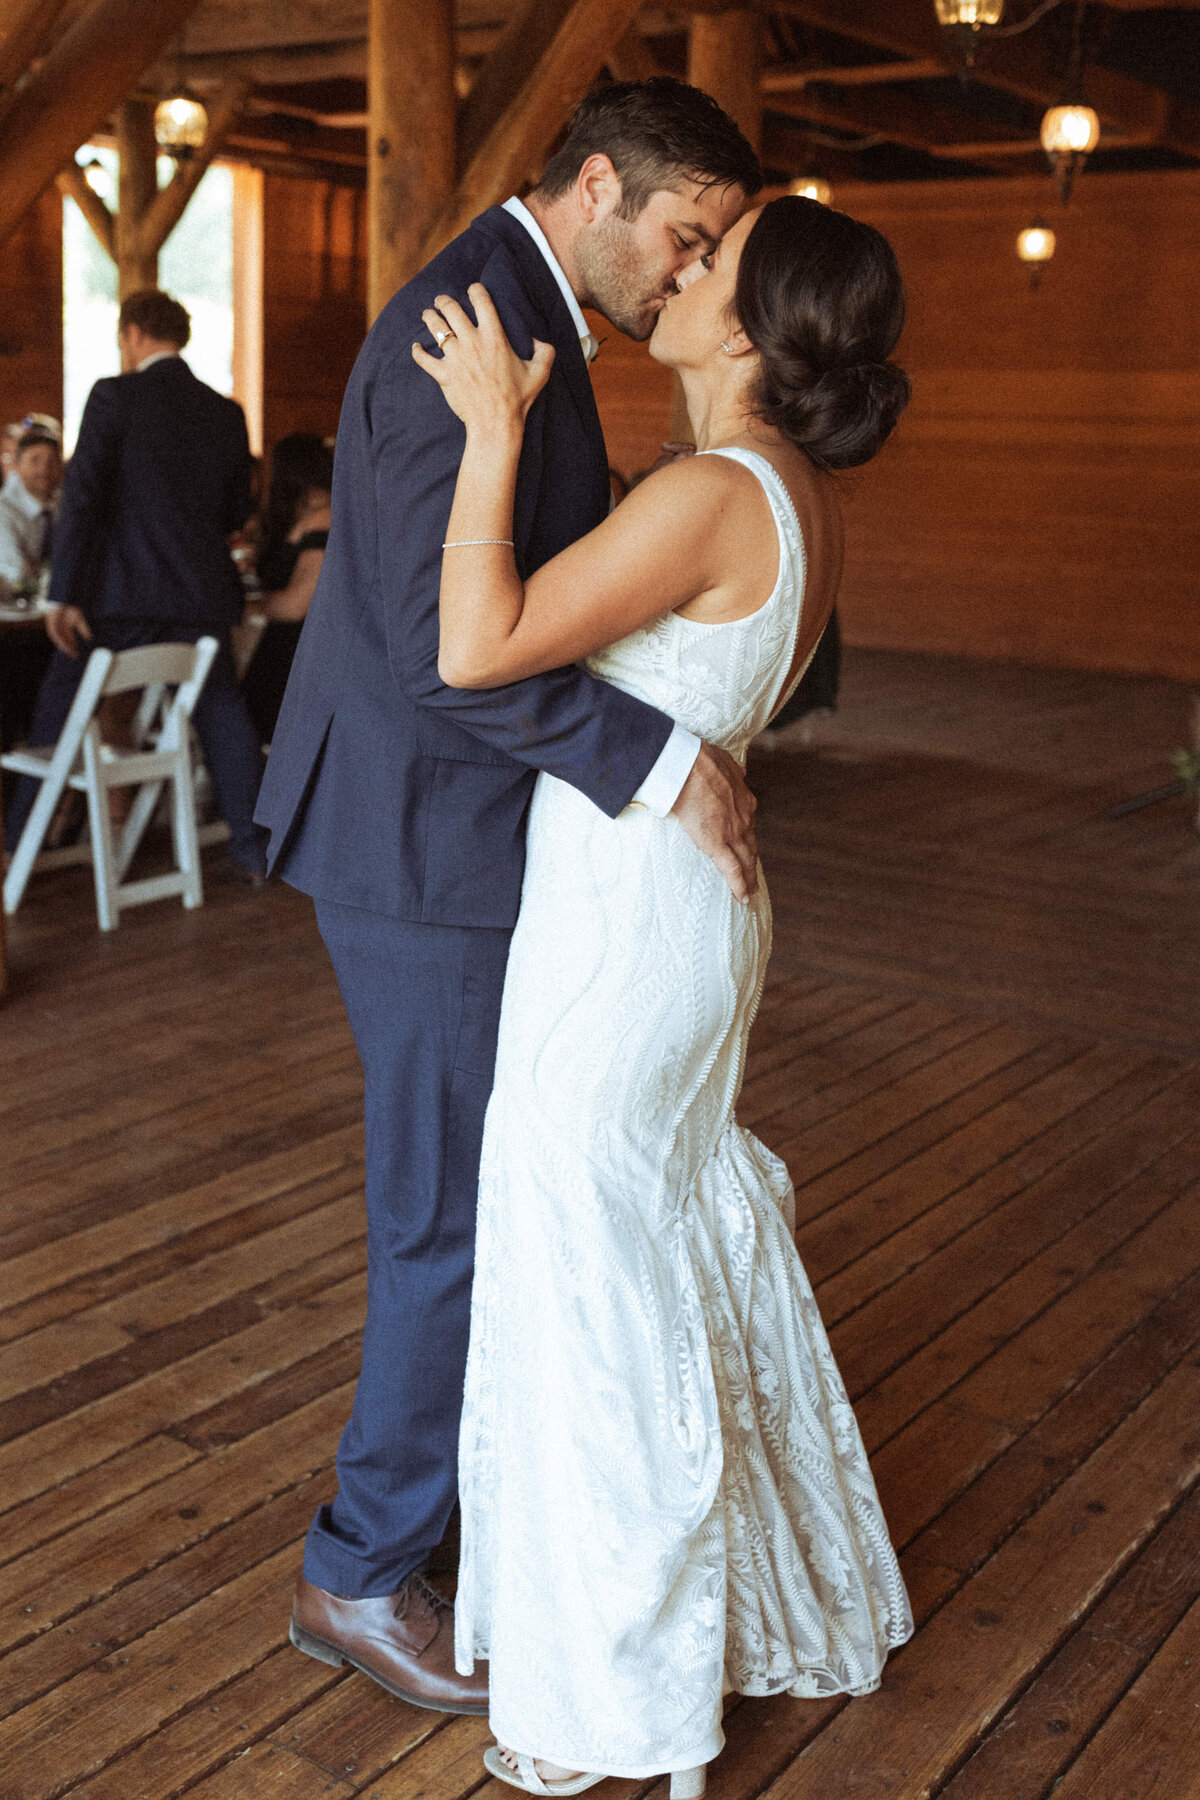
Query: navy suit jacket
(159,479)
(385,789)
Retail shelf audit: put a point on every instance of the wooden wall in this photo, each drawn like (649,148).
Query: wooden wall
(31,299)
(1041,498)
(314,301)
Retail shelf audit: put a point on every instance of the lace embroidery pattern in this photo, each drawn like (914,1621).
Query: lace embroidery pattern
(663,1485)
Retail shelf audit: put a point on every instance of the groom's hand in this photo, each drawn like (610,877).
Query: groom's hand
(716,809)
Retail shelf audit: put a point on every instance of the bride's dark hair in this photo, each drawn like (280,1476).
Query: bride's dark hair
(820,297)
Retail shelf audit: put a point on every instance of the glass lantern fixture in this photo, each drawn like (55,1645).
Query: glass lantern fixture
(180,124)
(812,187)
(965,21)
(1035,247)
(1069,134)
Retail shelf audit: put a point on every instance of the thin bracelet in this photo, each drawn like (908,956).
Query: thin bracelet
(467,543)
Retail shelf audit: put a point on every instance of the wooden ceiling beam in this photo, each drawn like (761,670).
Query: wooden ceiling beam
(544,91)
(791,81)
(72,185)
(526,38)
(632,59)
(283,67)
(896,115)
(89,71)
(790,148)
(25,28)
(1020,65)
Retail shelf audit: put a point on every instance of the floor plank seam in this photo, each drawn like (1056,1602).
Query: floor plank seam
(859,1394)
(1078,1625)
(973,1224)
(54,1621)
(924,1149)
(337,1677)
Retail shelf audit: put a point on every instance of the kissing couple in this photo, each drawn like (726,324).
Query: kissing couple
(508,769)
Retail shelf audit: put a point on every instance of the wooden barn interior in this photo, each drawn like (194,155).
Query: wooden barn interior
(979,1048)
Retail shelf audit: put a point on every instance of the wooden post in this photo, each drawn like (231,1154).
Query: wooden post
(147,214)
(725,59)
(72,185)
(410,136)
(137,185)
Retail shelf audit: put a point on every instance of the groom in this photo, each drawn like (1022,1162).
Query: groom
(399,804)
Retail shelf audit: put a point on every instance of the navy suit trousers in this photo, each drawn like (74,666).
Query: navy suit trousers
(222,720)
(424,1006)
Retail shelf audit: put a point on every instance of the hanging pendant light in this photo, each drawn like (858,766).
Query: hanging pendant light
(1071,130)
(1069,134)
(1035,247)
(965,21)
(180,123)
(812,187)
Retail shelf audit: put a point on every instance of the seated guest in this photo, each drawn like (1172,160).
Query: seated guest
(10,437)
(295,528)
(28,505)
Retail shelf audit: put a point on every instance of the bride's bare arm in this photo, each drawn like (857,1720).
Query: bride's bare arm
(654,553)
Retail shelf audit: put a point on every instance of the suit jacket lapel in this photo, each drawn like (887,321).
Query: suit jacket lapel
(569,361)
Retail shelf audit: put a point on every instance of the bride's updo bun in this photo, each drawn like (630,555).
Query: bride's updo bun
(819,296)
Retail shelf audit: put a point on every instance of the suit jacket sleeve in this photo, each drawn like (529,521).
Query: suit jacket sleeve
(86,497)
(566,722)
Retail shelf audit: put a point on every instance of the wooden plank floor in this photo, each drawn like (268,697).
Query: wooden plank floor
(980,1054)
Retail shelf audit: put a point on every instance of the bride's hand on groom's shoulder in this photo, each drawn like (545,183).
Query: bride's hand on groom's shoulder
(484,381)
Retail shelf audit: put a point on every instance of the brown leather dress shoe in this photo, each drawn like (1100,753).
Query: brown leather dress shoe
(404,1641)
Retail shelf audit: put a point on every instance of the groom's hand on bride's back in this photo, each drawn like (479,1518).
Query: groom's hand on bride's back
(716,809)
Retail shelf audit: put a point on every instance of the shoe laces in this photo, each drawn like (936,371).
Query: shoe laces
(416,1587)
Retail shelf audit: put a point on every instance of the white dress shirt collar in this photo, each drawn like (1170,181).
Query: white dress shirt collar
(588,340)
(158,356)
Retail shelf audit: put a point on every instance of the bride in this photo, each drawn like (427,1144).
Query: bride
(664,1494)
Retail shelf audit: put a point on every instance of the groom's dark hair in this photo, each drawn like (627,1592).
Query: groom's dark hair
(656,134)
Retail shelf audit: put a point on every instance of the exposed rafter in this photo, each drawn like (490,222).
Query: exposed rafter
(89,70)
(542,90)
(25,29)
(1020,65)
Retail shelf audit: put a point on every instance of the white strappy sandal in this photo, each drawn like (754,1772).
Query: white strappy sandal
(686,1784)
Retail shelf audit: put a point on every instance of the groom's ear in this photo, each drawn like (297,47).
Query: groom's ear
(597,188)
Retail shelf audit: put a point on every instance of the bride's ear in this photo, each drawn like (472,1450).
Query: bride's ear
(736,343)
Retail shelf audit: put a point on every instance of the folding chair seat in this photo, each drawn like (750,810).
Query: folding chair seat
(81,760)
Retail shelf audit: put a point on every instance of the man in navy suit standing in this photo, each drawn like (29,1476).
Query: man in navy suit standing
(159,480)
(400,804)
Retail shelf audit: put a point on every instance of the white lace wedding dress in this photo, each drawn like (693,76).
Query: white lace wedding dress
(664,1492)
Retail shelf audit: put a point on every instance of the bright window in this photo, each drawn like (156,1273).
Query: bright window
(196,265)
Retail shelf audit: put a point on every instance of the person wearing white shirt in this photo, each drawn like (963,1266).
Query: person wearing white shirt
(28,507)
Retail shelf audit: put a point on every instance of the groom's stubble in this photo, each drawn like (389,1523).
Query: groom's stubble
(616,282)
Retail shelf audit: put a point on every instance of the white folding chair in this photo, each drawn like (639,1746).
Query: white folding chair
(81,760)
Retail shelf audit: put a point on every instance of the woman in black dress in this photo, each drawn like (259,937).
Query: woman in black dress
(295,531)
